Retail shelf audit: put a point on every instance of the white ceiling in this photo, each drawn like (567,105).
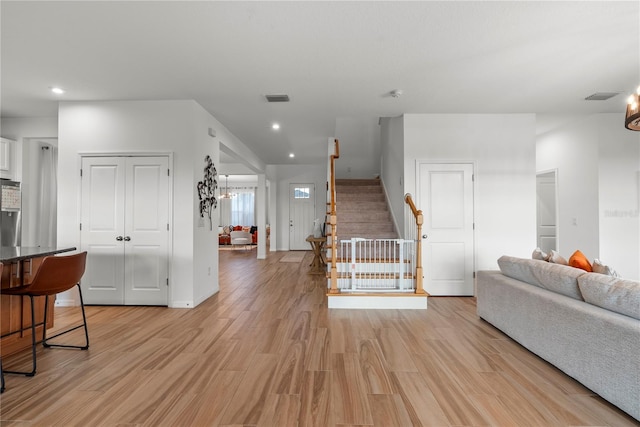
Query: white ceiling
(334,59)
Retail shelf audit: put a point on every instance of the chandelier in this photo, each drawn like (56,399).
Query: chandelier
(227,194)
(632,118)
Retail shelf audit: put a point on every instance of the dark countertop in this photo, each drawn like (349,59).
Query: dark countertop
(20,253)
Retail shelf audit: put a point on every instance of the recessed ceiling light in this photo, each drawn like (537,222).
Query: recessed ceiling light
(57,90)
(275,126)
(292,155)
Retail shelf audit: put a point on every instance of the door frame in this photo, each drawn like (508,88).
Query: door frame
(557,213)
(474,168)
(169,155)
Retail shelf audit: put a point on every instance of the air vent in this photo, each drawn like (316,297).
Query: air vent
(277,98)
(601,96)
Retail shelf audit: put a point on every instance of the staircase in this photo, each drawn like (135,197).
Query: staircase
(363,210)
(375,268)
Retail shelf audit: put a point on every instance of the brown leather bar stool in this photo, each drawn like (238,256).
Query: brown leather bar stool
(56,274)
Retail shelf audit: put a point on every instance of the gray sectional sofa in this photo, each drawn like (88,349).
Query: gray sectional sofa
(586,324)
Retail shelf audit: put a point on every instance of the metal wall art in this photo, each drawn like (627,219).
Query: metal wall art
(207,190)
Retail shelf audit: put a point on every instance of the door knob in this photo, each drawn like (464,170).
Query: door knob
(424,236)
(127,238)
(119,238)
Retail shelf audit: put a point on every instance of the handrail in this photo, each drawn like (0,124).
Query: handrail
(408,200)
(332,218)
(417,214)
(334,156)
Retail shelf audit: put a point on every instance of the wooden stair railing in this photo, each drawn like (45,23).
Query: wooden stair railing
(332,217)
(419,220)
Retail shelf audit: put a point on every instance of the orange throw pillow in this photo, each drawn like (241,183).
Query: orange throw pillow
(578,260)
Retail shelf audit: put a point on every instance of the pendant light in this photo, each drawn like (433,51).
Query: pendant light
(227,194)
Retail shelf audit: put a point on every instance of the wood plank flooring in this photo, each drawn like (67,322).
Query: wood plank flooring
(265,351)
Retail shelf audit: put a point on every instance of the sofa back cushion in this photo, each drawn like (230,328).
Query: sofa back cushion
(612,293)
(558,278)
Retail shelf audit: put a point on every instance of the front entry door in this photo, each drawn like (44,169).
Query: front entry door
(302,208)
(446,197)
(124,229)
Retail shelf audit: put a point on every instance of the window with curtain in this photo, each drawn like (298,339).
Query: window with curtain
(243,207)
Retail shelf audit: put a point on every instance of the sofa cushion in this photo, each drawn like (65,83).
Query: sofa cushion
(612,293)
(557,278)
(579,260)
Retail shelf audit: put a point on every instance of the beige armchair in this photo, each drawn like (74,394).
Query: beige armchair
(240,238)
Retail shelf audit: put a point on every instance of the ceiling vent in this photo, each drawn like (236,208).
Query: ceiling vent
(601,96)
(277,98)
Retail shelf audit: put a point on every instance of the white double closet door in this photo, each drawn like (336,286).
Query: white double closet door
(125,230)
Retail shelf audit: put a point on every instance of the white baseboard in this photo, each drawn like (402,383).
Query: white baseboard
(378,302)
(181,304)
(66,303)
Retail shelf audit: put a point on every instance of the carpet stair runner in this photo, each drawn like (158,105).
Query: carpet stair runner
(362,210)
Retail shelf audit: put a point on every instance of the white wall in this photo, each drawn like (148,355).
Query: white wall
(502,147)
(205,244)
(573,150)
(354,134)
(598,163)
(27,132)
(619,196)
(392,166)
(180,127)
(284,175)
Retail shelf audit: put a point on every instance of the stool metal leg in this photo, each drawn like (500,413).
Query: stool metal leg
(1,377)
(33,343)
(45,339)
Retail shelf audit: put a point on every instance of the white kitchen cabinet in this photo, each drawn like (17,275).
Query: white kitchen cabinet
(7,158)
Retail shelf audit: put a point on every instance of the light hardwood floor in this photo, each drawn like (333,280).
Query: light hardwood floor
(265,351)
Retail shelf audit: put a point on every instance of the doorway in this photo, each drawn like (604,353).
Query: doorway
(448,259)
(547,211)
(302,208)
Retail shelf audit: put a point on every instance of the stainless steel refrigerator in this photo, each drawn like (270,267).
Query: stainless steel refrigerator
(10,217)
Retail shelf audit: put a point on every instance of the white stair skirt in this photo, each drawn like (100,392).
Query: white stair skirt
(395,302)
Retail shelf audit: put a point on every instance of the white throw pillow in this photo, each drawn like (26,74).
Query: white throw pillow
(538,254)
(556,258)
(599,267)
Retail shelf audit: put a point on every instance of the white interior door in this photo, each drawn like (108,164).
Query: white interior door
(446,198)
(102,229)
(546,213)
(125,205)
(302,208)
(146,239)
